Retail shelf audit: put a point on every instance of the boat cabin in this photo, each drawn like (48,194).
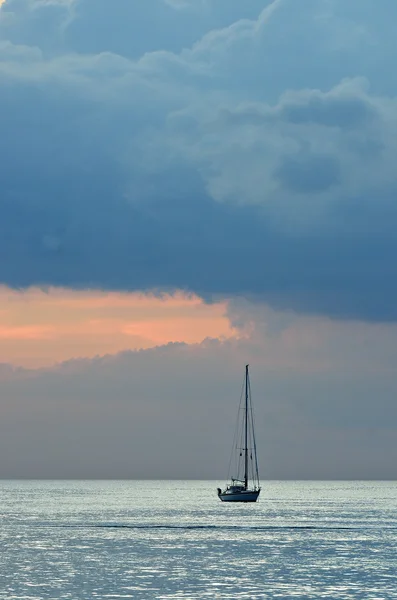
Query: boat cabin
(234,489)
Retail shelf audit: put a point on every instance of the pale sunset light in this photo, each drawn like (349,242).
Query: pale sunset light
(39,328)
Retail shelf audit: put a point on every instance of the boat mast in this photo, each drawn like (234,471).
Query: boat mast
(246,431)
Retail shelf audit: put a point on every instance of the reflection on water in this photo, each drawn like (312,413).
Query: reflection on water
(143,540)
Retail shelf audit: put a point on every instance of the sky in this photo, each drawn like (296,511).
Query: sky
(187,186)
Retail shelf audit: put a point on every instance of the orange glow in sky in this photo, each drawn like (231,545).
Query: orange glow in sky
(39,328)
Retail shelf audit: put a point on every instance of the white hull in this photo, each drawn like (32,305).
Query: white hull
(244,496)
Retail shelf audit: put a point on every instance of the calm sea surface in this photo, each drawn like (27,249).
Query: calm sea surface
(175,539)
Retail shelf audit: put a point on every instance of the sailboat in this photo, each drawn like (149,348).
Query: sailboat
(244,486)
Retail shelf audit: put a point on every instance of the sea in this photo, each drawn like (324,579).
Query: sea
(175,539)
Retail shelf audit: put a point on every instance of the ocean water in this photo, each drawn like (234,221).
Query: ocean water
(175,539)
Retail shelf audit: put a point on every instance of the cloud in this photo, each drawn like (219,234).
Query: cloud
(28,332)
(131,29)
(323,394)
(221,149)
(40,328)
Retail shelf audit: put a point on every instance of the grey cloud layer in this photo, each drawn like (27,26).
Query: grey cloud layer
(202,145)
(324,411)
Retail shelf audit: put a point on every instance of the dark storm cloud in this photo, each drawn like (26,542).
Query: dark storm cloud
(218,149)
(126,28)
(310,174)
(331,110)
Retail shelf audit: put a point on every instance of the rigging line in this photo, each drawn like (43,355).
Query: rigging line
(240,463)
(235,437)
(253,432)
(239,459)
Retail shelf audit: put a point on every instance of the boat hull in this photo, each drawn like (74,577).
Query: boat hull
(244,496)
